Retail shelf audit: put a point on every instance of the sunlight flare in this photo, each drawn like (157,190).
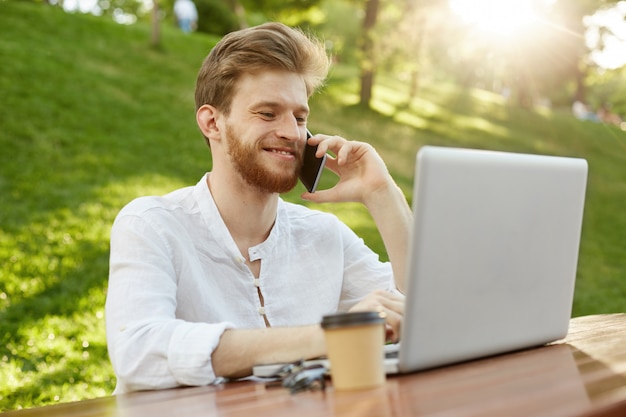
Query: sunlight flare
(501,17)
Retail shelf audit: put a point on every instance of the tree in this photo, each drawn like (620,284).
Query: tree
(368,60)
(155,36)
(572,13)
(416,33)
(543,59)
(240,12)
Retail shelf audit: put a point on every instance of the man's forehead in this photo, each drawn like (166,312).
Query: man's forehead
(272,88)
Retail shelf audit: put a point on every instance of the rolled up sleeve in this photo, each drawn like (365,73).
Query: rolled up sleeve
(149,347)
(160,355)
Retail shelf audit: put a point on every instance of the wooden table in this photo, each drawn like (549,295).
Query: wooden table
(582,375)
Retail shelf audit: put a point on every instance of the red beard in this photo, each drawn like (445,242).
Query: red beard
(249,165)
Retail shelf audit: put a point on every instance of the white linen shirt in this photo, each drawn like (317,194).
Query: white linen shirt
(177,281)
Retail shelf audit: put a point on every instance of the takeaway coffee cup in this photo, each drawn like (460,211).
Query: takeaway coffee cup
(355,347)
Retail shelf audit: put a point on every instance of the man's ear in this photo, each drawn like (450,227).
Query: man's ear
(206,117)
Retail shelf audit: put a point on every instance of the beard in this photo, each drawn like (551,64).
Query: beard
(247,162)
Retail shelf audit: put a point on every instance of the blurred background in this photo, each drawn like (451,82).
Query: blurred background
(538,52)
(97,109)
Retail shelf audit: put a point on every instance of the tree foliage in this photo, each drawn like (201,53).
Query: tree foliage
(422,39)
(547,61)
(220,17)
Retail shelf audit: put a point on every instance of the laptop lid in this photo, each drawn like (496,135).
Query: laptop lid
(493,256)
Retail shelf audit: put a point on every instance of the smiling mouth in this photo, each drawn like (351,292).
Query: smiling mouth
(281,152)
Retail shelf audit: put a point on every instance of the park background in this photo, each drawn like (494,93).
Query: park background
(97,109)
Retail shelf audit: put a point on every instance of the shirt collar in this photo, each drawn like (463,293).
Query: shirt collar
(218,230)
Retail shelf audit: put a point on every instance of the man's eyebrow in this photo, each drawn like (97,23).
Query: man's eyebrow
(275,104)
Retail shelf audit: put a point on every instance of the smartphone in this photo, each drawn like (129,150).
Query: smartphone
(312,166)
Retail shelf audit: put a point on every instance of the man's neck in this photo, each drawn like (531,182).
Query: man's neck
(249,213)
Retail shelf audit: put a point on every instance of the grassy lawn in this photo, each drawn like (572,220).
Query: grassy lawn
(92,117)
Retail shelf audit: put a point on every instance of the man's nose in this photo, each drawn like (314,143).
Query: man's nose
(290,129)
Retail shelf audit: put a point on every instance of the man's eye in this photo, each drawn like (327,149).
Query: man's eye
(267,115)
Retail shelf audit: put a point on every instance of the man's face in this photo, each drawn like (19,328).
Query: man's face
(248,161)
(265,132)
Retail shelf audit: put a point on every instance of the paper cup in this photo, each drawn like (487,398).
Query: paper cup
(355,348)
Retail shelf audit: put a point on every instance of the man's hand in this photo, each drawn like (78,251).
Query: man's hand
(391,305)
(360,169)
(364,178)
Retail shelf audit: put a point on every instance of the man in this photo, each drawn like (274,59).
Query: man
(210,280)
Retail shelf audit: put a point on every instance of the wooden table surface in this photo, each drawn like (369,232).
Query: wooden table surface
(582,375)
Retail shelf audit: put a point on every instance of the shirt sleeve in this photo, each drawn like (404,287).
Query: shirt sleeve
(363,270)
(148,346)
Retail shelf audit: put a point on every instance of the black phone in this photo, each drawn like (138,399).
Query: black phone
(312,166)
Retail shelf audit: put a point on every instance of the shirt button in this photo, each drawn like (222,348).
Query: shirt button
(262,311)
(257,282)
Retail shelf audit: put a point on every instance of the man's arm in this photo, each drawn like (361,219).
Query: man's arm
(393,217)
(240,349)
(364,178)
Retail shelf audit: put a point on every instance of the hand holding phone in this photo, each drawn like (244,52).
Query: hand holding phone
(312,166)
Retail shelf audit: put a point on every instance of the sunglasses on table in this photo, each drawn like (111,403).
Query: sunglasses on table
(297,377)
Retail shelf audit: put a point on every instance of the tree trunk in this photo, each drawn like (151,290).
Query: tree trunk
(155,38)
(240,12)
(368,62)
(415,72)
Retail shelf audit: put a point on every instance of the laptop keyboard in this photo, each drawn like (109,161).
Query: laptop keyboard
(392,350)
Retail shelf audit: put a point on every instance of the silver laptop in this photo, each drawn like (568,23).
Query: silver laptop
(493,256)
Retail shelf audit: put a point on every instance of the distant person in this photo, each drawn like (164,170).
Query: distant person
(186,15)
(581,112)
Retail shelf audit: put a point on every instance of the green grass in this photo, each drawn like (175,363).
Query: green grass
(91,117)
